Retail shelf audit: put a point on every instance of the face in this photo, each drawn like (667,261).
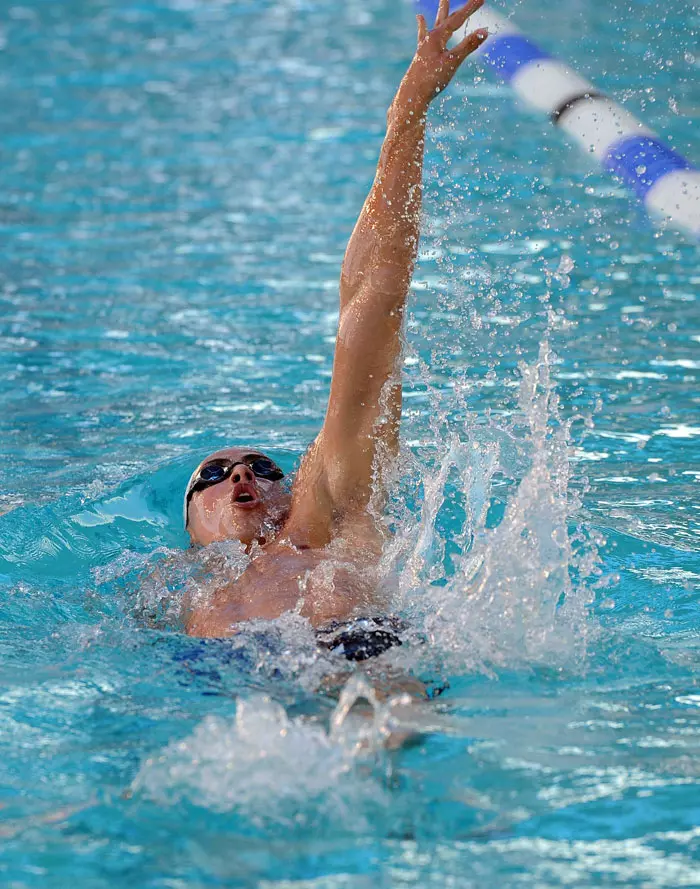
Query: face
(241,505)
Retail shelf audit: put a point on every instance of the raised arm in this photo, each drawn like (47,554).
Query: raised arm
(383,246)
(364,407)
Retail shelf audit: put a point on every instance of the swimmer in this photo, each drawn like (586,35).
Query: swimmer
(316,550)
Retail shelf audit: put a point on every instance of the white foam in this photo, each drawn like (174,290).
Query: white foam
(518,592)
(280,770)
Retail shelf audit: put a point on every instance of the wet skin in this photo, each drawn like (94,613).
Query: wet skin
(317,549)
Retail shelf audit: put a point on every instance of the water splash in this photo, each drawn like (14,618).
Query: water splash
(277,769)
(292,771)
(518,589)
(489,566)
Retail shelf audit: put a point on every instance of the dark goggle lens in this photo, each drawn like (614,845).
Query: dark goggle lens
(212,473)
(264,468)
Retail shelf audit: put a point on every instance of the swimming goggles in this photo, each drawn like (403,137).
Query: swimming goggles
(216,471)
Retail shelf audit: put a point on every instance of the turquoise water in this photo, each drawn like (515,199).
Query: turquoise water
(178,182)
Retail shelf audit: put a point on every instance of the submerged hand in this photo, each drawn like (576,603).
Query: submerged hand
(434,65)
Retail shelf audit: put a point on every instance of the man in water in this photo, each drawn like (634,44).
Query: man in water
(317,549)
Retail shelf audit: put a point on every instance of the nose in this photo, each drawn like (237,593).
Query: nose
(242,473)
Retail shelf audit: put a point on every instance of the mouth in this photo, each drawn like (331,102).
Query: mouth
(245,496)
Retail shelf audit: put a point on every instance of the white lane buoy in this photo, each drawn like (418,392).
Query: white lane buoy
(664,180)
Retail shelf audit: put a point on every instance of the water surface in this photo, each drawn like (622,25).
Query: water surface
(178,182)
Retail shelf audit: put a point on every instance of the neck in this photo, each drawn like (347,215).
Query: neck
(268,533)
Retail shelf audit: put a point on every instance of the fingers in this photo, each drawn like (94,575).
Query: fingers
(422,29)
(442,13)
(455,21)
(469,44)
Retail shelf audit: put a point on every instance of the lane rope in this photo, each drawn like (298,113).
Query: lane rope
(667,183)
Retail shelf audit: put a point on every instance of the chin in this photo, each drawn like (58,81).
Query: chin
(249,525)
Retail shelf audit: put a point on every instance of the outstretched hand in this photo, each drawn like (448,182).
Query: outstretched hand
(434,65)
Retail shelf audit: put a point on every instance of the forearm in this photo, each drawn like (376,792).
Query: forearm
(382,250)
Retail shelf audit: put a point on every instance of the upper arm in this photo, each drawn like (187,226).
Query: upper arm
(336,475)
(364,403)
(364,406)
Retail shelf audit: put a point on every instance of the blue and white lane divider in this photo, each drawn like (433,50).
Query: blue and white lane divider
(666,182)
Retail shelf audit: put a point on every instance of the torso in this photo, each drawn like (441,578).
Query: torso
(334,582)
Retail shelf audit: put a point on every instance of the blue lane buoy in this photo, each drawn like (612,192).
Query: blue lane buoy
(667,183)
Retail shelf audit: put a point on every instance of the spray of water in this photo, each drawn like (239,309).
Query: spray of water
(509,588)
(517,592)
(507,585)
(279,770)
(293,772)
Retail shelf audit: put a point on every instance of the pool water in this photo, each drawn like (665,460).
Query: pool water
(179,179)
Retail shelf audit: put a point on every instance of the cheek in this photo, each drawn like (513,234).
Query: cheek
(212,505)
